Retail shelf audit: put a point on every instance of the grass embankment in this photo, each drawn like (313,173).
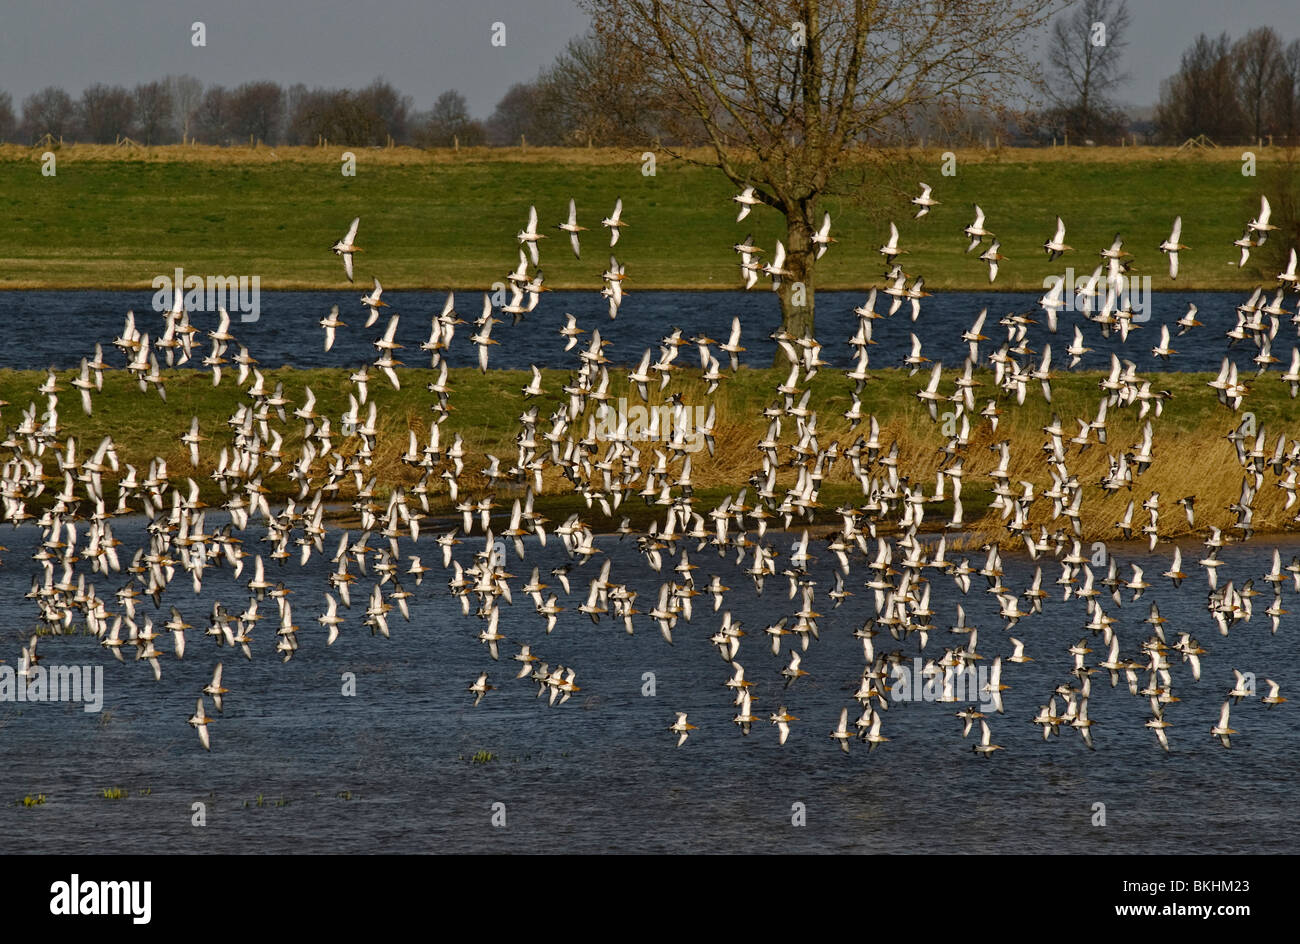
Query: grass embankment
(1192,455)
(118,218)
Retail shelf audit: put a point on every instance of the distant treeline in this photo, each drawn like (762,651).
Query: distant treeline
(1245,90)
(1230,91)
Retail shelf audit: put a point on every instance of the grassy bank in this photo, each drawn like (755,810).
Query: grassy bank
(117,218)
(1192,455)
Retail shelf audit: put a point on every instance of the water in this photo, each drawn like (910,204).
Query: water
(390,768)
(42,326)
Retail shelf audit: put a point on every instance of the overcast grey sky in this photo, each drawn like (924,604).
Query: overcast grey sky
(425,47)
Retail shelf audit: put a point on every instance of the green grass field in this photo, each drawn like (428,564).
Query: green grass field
(117,219)
(1190,435)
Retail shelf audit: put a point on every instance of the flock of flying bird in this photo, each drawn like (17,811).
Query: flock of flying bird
(881,537)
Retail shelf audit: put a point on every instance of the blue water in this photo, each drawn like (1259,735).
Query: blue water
(390,768)
(42,328)
(602,772)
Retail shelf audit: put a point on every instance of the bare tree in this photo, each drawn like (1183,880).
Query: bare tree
(521,113)
(591,94)
(1285,105)
(784,90)
(337,115)
(256,110)
(8,123)
(107,112)
(1259,64)
(212,116)
(391,110)
(186,93)
(304,114)
(450,122)
(1202,97)
(49,111)
(1084,69)
(153,113)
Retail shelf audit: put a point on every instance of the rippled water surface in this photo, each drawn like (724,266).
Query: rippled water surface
(42,327)
(391,768)
(296,765)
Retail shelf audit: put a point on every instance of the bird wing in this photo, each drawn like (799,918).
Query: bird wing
(934,379)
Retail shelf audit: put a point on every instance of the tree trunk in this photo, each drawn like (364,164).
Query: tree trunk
(796,291)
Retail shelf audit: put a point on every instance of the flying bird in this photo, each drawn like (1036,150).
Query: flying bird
(1172,246)
(346,246)
(614,222)
(924,201)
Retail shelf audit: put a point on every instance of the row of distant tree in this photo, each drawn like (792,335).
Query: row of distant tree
(1230,91)
(578,99)
(180,108)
